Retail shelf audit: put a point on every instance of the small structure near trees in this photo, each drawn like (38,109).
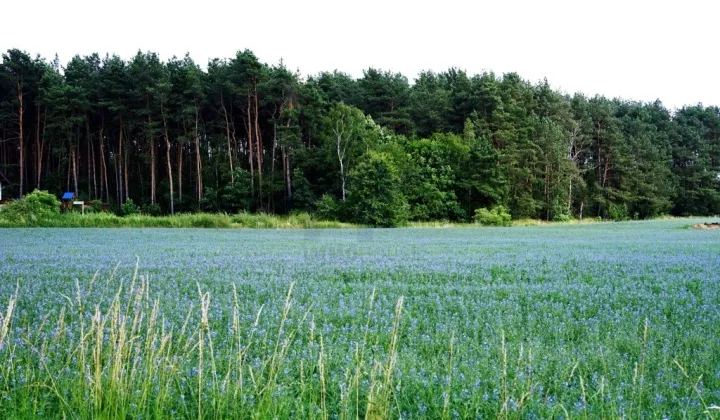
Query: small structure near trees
(68,200)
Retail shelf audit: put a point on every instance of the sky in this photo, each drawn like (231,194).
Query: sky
(634,49)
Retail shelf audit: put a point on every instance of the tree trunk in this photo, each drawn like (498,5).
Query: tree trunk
(118,195)
(42,148)
(227,132)
(21,112)
(125,170)
(170,177)
(167,154)
(272,167)
(198,164)
(88,139)
(152,151)
(342,175)
(180,166)
(569,205)
(547,193)
(342,168)
(47,157)
(605,173)
(259,148)
(119,165)
(286,169)
(94,171)
(152,170)
(250,147)
(38,157)
(597,146)
(103,166)
(73,162)
(69,170)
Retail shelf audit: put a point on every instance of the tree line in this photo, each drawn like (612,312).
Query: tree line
(240,134)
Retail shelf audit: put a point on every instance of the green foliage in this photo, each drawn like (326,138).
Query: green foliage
(257,137)
(297,220)
(151,209)
(497,216)
(41,203)
(618,212)
(74,219)
(301,191)
(385,97)
(236,196)
(32,209)
(97,205)
(562,218)
(429,177)
(327,208)
(232,197)
(129,208)
(375,196)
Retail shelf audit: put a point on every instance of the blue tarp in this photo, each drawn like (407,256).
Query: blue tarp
(68,196)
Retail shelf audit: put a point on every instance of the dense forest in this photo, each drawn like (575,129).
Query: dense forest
(243,135)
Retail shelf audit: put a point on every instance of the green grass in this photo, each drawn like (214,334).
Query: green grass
(294,221)
(187,220)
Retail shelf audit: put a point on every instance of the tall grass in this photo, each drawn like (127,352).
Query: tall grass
(293,221)
(185,220)
(124,360)
(71,219)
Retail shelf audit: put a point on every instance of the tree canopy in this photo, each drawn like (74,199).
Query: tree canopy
(244,135)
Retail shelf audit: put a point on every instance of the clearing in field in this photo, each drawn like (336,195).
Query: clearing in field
(601,320)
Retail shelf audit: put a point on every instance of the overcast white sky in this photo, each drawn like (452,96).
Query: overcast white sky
(635,49)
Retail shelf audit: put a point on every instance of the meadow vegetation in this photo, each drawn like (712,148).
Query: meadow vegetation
(41,209)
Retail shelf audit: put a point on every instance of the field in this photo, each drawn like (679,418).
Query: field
(598,320)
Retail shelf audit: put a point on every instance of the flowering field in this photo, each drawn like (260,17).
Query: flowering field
(611,320)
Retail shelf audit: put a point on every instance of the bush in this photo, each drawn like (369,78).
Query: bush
(562,217)
(43,201)
(31,209)
(231,197)
(497,216)
(97,206)
(375,195)
(326,208)
(301,219)
(151,210)
(128,208)
(302,197)
(618,212)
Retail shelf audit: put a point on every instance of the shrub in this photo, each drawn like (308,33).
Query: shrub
(151,209)
(562,217)
(202,220)
(300,219)
(31,209)
(375,195)
(43,201)
(129,208)
(618,212)
(97,206)
(231,197)
(497,216)
(326,208)
(302,197)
